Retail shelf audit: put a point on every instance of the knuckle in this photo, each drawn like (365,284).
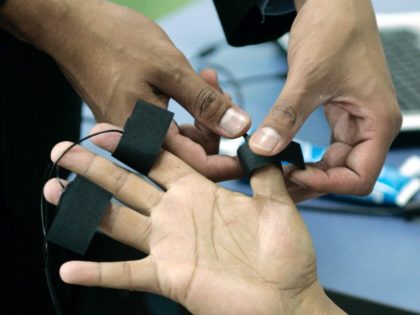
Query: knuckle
(208,105)
(397,120)
(128,275)
(364,189)
(172,67)
(88,171)
(393,120)
(120,179)
(151,198)
(284,114)
(145,234)
(176,66)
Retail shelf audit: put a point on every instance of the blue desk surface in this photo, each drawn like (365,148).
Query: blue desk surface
(373,257)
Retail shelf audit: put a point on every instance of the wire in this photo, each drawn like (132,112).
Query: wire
(45,211)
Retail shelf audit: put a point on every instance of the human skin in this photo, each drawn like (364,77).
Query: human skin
(114,56)
(212,250)
(336,59)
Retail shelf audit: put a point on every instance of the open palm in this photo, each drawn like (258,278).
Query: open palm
(210,249)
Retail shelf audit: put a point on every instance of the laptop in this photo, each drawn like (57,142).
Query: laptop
(400,35)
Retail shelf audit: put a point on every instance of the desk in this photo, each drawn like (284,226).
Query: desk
(377,258)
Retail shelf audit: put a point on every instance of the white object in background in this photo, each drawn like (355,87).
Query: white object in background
(230,146)
(411,167)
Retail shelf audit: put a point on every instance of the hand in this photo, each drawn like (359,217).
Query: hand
(336,59)
(200,145)
(114,56)
(210,249)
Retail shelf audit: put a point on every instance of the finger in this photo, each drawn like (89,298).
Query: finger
(215,167)
(344,169)
(106,141)
(124,185)
(269,182)
(166,169)
(119,222)
(126,226)
(210,76)
(207,104)
(285,118)
(53,190)
(139,275)
(201,135)
(297,192)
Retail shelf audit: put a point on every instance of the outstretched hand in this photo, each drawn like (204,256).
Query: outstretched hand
(213,250)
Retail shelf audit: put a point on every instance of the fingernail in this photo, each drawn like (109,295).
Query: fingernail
(233,121)
(266,139)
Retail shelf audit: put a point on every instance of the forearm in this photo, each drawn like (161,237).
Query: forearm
(50,25)
(33,20)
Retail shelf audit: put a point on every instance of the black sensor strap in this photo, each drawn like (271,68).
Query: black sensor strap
(83,203)
(251,161)
(79,212)
(143,136)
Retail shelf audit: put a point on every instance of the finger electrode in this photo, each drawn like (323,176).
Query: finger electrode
(251,161)
(143,136)
(83,203)
(79,212)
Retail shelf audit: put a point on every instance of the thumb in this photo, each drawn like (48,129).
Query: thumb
(284,120)
(207,104)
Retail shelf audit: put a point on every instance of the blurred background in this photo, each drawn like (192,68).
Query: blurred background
(154,8)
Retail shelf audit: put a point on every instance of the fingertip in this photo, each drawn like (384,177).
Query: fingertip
(234,122)
(59,149)
(52,190)
(79,272)
(267,141)
(66,272)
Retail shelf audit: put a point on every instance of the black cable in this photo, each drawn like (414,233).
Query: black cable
(45,212)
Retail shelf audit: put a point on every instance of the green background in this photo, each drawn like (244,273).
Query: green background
(154,8)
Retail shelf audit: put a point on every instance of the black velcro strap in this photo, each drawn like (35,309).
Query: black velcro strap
(143,136)
(251,161)
(79,212)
